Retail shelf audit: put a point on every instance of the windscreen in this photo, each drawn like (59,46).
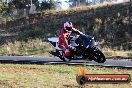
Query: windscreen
(86,40)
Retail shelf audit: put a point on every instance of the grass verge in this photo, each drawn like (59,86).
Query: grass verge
(52,76)
(109,53)
(38,48)
(31,47)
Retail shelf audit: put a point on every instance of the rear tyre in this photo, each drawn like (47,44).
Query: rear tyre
(60,54)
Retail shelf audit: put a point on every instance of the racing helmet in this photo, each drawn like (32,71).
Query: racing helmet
(68,26)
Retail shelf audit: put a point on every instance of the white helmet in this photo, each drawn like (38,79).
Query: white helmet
(68,24)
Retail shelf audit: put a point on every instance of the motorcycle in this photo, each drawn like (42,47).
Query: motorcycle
(85,48)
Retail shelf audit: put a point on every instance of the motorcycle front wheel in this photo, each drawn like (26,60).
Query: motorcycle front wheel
(98,56)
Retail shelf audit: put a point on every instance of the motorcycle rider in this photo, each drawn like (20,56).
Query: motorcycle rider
(63,38)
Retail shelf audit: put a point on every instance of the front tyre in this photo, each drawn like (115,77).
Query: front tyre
(98,56)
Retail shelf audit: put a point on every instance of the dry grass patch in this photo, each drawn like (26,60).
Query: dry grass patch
(52,76)
(31,47)
(116,53)
(38,48)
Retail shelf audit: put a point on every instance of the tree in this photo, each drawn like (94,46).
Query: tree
(74,3)
(3,7)
(21,4)
(48,4)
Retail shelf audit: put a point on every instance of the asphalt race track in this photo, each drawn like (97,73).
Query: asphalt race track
(32,60)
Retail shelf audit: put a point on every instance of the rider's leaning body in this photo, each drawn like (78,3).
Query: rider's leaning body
(63,37)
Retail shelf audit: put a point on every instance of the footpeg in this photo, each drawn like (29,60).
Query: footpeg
(53,53)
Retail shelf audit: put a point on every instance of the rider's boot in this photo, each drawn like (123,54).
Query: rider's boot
(67,54)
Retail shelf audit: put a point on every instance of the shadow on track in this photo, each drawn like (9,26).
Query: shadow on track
(41,62)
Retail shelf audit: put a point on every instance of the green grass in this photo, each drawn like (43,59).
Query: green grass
(52,76)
